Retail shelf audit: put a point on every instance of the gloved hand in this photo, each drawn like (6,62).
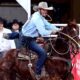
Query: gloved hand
(58,30)
(5,35)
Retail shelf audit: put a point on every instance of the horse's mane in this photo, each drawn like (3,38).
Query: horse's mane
(11,54)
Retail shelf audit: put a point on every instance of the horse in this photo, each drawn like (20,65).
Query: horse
(4,71)
(73,30)
(57,65)
(69,39)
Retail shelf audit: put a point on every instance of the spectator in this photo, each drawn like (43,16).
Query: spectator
(15,27)
(5,44)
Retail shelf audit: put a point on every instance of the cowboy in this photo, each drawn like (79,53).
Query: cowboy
(35,27)
(38,26)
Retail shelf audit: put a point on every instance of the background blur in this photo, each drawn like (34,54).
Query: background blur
(64,10)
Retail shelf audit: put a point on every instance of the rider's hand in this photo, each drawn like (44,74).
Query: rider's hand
(5,35)
(60,29)
(40,39)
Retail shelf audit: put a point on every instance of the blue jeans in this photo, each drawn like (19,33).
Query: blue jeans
(1,54)
(34,46)
(42,55)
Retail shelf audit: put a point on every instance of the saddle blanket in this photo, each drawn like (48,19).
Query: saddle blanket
(76,67)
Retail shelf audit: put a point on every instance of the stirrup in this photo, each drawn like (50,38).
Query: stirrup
(38,77)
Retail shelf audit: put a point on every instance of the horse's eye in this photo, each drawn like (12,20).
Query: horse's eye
(74,29)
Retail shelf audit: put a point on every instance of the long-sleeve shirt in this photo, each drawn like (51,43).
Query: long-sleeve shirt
(38,25)
(5,44)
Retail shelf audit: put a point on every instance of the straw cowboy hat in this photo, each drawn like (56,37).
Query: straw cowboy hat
(42,5)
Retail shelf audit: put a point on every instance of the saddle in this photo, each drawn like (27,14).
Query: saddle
(24,54)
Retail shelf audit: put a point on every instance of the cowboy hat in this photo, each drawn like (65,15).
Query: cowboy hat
(15,21)
(42,5)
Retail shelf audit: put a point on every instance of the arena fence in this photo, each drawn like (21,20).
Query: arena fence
(66,25)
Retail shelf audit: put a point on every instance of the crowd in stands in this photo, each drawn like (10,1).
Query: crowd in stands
(8,27)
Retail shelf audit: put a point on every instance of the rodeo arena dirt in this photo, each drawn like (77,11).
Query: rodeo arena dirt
(39,40)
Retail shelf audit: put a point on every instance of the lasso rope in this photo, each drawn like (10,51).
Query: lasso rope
(49,17)
(70,38)
(68,48)
(58,51)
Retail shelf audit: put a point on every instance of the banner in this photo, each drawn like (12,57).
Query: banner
(26,4)
(76,67)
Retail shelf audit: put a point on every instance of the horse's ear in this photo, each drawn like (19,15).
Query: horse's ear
(72,23)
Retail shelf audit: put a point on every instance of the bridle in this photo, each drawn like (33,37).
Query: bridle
(76,33)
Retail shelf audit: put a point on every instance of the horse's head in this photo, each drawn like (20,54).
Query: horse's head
(67,39)
(70,34)
(72,29)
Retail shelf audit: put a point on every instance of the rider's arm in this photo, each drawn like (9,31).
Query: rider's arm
(12,35)
(38,22)
(50,26)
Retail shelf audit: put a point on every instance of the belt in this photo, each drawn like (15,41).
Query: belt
(28,37)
